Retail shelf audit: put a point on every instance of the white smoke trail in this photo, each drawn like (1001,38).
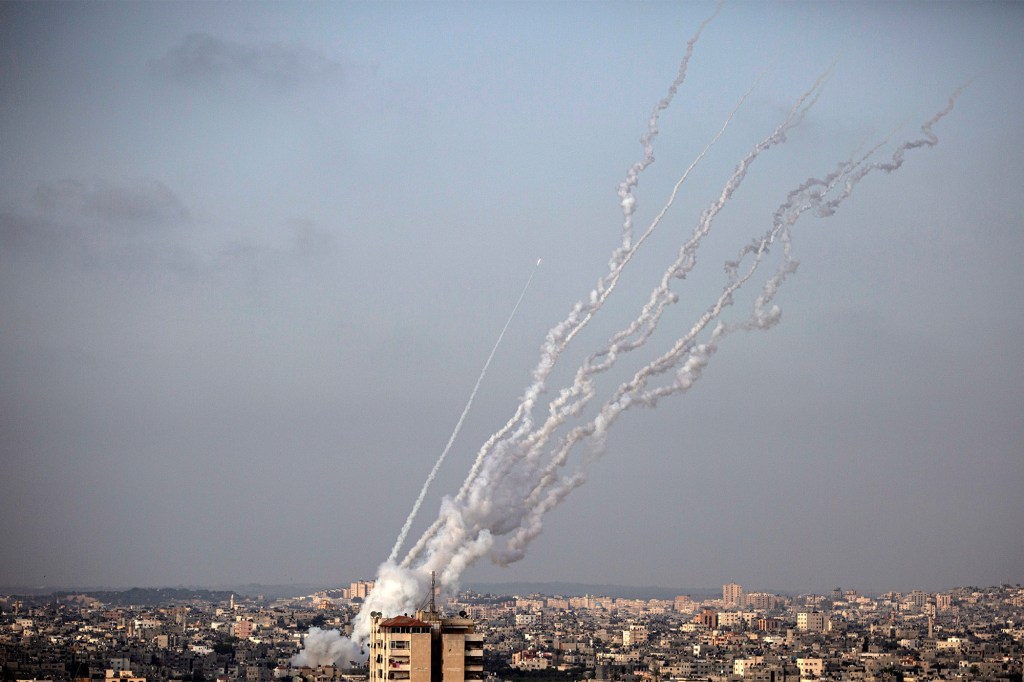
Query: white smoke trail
(458,425)
(517,476)
(529,447)
(503,505)
(625,192)
(691,358)
(500,494)
(535,484)
(560,336)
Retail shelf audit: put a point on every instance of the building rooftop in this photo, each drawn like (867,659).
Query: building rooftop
(403,622)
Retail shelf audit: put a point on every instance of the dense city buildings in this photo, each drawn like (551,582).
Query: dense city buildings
(967,633)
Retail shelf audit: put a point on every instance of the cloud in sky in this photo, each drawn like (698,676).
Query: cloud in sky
(204,60)
(143,227)
(144,201)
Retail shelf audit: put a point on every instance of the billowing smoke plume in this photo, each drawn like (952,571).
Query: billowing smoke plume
(523,470)
(324,647)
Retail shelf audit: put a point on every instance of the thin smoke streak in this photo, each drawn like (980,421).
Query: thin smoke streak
(458,425)
(628,255)
(560,410)
(561,335)
(625,192)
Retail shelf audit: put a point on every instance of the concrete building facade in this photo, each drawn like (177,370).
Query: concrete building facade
(732,594)
(810,621)
(427,648)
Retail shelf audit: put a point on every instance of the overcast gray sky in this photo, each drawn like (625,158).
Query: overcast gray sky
(253,257)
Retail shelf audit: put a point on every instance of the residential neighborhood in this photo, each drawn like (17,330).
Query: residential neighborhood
(968,633)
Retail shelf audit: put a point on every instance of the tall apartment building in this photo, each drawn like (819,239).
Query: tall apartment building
(732,594)
(763,601)
(359,589)
(427,648)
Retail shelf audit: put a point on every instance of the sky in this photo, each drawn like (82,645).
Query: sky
(253,257)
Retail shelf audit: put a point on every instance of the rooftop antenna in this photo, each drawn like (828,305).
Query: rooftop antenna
(432,602)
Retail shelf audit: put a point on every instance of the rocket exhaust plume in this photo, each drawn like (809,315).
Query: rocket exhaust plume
(522,470)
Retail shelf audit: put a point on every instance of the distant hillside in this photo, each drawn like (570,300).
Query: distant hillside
(276,591)
(150,596)
(147,596)
(567,589)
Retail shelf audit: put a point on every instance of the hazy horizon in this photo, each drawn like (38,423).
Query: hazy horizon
(253,257)
(551,588)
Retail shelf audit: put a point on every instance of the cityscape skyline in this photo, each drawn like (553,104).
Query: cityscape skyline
(253,258)
(966,633)
(360,588)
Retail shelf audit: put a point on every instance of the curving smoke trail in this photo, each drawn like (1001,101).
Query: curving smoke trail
(560,336)
(626,187)
(516,459)
(687,357)
(458,425)
(609,285)
(519,473)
